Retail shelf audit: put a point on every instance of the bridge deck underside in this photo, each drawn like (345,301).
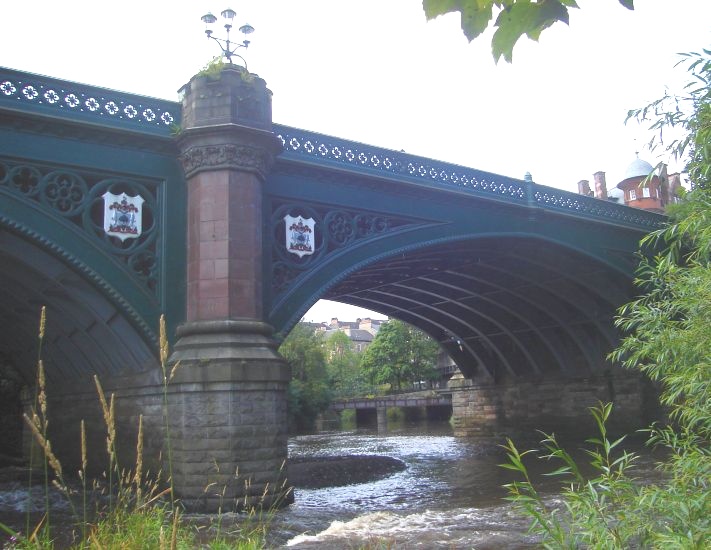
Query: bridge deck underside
(85,334)
(501,307)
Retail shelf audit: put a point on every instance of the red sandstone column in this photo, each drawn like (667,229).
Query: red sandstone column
(228,399)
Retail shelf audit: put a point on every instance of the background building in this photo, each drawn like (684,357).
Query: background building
(643,186)
(361,331)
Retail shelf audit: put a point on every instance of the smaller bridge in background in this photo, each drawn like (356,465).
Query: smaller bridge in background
(369,410)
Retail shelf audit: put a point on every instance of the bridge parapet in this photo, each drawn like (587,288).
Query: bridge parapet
(314,148)
(31,93)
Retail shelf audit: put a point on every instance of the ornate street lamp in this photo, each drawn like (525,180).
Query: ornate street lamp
(228,48)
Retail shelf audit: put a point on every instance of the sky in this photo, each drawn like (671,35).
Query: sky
(378,72)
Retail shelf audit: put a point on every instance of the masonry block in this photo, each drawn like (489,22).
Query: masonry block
(561,406)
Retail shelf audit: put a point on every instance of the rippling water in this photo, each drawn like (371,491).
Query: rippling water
(449,496)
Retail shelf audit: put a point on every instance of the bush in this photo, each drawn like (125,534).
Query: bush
(668,338)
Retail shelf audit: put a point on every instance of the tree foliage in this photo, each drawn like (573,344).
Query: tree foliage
(668,337)
(309,393)
(514,18)
(400,354)
(343,366)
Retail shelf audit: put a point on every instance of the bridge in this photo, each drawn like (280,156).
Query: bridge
(369,409)
(116,208)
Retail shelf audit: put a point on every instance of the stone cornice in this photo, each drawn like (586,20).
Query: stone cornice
(228,147)
(225,156)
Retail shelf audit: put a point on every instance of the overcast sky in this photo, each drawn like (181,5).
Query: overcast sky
(376,71)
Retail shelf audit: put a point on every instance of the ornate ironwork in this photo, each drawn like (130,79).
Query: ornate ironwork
(76,196)
(25,91)
(335,229)
(28,92)
(555,199)
(330,151)
(300,143)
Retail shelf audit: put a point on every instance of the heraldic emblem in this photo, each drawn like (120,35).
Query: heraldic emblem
(122,215)
(299,235)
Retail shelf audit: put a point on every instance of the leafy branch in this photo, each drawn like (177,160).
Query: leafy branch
(514,18)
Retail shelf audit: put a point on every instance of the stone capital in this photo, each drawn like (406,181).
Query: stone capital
(227,123)
(229,146)
(234,350)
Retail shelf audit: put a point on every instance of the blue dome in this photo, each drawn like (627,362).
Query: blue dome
(638,168)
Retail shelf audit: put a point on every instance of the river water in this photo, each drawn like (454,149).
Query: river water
(449,496)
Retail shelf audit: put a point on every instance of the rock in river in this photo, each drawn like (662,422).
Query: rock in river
(315,472)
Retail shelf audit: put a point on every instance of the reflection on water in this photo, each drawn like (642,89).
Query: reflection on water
(449,496)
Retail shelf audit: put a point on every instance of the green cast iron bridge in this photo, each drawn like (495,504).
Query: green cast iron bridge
(512,278)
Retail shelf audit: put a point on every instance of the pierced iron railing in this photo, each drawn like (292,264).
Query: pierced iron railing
(320,149)
(21,91)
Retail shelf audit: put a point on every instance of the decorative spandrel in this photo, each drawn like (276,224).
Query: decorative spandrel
(304,236)
(79,198)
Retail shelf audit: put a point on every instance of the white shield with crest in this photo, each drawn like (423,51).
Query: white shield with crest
(122,215)
(299,235)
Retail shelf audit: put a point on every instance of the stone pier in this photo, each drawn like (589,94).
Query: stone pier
(518,408)
(229,426)
(382,416)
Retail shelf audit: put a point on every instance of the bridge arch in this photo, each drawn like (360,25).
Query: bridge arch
(91,328)
(503,305)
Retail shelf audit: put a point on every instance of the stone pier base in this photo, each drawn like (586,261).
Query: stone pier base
(225,439)
(520,408)
(228,417)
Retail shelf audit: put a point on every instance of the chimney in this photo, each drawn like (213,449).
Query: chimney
(674,185)
(584,188)
(600,185)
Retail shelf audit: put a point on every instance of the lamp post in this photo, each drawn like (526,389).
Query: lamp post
(228,48)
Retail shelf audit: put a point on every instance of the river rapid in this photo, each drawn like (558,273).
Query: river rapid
(449,496)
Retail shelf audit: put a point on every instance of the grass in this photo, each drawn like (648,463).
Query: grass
(127,509)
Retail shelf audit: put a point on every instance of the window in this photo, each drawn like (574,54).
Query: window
(645,192)
(633,194)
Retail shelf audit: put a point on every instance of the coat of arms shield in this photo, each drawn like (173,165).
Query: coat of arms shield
(122,215)
(299,235)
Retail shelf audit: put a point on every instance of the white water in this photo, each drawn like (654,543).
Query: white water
(14,497)
(450,496)
(456,528)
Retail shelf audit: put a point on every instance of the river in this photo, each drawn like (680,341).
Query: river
(449,496)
